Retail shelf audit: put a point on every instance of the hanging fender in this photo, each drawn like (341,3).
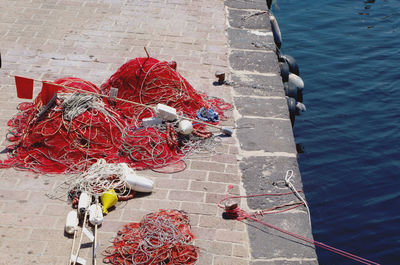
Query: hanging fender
(291,106)
(291,90)
(295,107)
(293,67)
(276,31)
(269,4)
(284,67)
(292,109)
(296,80)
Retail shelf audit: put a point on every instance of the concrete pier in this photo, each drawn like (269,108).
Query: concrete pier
(267,149)
(50,39)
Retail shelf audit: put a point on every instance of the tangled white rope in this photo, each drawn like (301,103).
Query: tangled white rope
(75,104)
(99,178)
(289,183)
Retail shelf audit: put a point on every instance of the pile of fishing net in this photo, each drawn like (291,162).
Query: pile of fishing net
(149,82)
(74,129)
(64,136)
(163,237)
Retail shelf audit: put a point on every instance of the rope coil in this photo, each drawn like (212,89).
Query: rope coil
(99,178)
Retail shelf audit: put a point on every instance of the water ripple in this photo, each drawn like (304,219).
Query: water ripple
(348,56)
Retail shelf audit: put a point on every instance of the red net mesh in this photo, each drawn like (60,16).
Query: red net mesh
(163,237)
(47,141)
(53,144)
(149,81)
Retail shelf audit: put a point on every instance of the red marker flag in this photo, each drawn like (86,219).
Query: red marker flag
(48,91)
(24,87)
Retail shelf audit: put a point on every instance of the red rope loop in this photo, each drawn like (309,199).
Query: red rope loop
(240,214)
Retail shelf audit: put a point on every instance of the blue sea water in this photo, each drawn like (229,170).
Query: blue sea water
(348,52)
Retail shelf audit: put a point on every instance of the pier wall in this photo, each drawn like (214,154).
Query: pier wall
(265,135)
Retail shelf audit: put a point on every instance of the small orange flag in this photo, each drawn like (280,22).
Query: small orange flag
(24,87)
(48,91)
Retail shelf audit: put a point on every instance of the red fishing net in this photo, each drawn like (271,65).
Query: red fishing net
(74,129)
(49,142)
(149,81)
(163,237)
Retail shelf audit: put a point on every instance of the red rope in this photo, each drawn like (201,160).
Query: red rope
(240,214)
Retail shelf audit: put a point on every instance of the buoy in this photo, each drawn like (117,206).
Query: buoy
(276,31)
(95,214)
(108,199)
(296,80)
(269,4)
(71,224)
(291,105)
(292,109)
(295,108)
(284,71)
(135,182)
(139,183)
(84,202)
(166,112)
(227,131)
(185,127)
(291,90)
(293,67)
(300,106)
(148,122)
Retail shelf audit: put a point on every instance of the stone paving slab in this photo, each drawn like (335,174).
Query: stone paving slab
(267,147)
(247,4)
(275,245)
(250,40)
(259,106)
(254,61)
(269,135)
(249,19)
(49,39)
(286,262)
(266,175)
(258,85)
